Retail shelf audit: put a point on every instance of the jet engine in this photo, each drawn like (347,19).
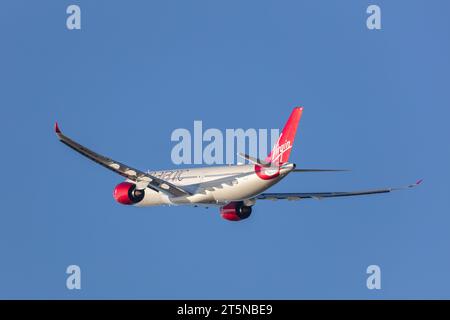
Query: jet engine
(235,211)
(126,193)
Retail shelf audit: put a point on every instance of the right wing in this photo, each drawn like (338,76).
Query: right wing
(322,195)
(142,179)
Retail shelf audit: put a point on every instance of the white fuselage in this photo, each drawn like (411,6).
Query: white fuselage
(215,185)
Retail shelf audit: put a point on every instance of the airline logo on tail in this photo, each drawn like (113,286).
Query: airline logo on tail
(279,150)
(282,148)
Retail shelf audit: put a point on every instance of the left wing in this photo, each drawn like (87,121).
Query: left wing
(143,180)
(322,195)
(254,160)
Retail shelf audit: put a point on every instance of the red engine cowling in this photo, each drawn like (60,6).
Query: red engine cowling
(126,193)
(235,211)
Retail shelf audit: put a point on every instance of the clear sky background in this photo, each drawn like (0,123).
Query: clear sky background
(376,102)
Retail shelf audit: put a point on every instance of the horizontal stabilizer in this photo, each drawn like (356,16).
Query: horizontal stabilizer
(254,160)
(320,170)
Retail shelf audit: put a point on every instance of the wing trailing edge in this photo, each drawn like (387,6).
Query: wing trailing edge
(323,195)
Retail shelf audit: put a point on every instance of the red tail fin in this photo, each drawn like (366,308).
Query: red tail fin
(282,148)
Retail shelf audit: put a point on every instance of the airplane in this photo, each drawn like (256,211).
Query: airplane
(233,188)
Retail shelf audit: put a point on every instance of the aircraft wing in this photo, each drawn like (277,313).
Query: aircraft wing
(322,195)
(142,179)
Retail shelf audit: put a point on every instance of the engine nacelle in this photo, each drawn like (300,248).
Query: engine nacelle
(126,193)
(235,211)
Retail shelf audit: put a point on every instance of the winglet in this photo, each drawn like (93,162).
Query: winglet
(409,186)
(57,127)
(414,184)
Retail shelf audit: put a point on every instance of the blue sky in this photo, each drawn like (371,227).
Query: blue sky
(376,102)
